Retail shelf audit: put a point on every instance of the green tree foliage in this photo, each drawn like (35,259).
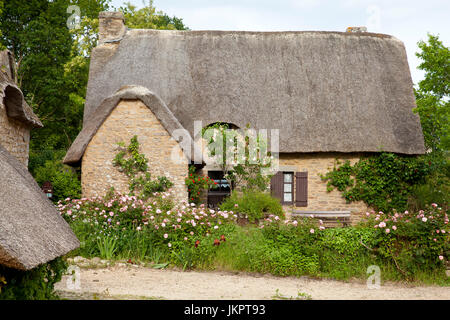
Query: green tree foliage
(63,179)
(149,18)
(433,107)
(53,64)
(52,68)
(432,94)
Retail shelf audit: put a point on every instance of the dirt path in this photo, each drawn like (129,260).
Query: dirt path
(132,282)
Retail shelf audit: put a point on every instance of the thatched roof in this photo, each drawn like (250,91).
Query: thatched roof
(11,97)
(325,91)
(32,231)
(154,103)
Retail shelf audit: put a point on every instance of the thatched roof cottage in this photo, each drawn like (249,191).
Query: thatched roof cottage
(330,94)
(31,230)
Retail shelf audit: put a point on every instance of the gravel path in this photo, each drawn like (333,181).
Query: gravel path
(133,282)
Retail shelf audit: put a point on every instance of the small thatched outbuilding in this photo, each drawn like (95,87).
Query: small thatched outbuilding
(330,94)
(32,232)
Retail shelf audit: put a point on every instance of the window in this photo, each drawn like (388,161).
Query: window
(223,190)
(288,187)
(222,183)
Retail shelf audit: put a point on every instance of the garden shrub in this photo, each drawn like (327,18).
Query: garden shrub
(253,204)
(189,236)
(63,178)
(35,284)
(413,241)
(196,184)
(123,224)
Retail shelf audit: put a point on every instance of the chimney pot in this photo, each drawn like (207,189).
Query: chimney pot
(356,29)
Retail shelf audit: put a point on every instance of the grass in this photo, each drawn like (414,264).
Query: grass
(247,248)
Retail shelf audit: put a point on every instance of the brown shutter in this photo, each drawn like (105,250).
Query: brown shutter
(301,189)
(276,185)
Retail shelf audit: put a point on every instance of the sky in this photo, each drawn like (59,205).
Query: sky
(407,20)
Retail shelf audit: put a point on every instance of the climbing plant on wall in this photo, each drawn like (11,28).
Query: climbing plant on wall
(384,181)
(135,165)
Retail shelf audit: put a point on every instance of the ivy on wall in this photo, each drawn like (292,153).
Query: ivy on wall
(383,181)
(135,166)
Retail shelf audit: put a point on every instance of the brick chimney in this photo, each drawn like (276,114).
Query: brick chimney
(111,26)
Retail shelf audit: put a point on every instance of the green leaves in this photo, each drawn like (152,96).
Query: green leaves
(35,284)
(432,95)
(383,181)
(135,166)
(435,58)
(254,204)
(149,18)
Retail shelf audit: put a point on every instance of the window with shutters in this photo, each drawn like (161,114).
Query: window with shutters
(288,188)
(282,187)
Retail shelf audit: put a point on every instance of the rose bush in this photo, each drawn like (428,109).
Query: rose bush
(405,245)
(414,241)
(157,220)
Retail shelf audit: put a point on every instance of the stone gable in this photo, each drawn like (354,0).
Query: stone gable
(129,118)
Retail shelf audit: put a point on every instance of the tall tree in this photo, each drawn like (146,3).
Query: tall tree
(53,66)
(432,94)
(148,18)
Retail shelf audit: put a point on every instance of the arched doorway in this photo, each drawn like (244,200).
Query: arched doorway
(223,186)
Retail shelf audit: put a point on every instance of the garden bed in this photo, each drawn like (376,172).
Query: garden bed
(405,246)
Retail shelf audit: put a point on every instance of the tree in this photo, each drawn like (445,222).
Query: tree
(433,107)
(149,18)
(53,64)
(432,94)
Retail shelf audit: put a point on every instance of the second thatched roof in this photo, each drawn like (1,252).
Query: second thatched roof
(32,231)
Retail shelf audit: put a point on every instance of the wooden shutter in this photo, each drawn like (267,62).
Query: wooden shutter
(301,189)
(276,185)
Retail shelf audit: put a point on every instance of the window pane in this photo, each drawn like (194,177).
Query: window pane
(288,177)
(287,187)
(288,197)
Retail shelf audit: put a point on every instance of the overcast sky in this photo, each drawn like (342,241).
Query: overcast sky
(407,20)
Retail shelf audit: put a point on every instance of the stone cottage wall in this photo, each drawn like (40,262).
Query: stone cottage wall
(318,197)
(129,118)
(14,136)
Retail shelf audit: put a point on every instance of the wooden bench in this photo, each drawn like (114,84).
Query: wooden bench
(342,216)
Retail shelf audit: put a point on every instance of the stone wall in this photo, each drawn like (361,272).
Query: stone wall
(130,118)
(14,136)
(318,197)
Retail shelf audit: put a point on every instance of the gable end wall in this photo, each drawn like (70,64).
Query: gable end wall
(129,118)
